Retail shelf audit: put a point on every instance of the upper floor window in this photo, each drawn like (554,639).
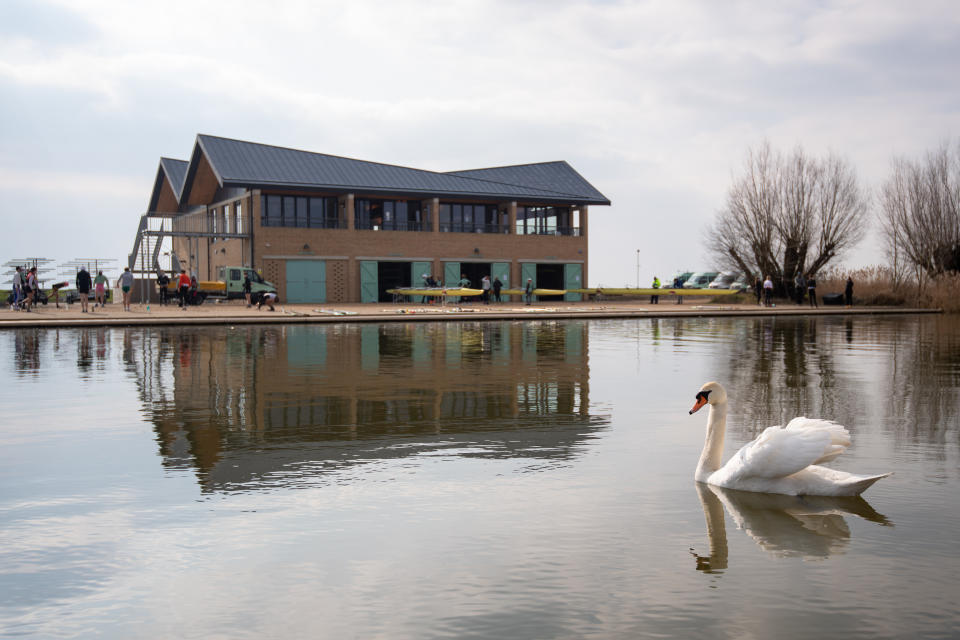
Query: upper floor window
(551,221)
(472,218)
(299,211)
(389,215)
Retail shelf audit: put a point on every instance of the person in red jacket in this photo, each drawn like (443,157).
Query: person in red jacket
(183,287)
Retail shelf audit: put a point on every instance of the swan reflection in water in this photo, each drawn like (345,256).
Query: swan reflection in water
(807,527)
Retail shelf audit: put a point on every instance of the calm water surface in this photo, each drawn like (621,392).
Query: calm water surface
(471,480)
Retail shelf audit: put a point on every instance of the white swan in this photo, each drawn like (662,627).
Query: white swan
(781,459)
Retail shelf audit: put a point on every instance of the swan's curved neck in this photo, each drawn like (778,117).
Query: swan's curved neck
(713,446)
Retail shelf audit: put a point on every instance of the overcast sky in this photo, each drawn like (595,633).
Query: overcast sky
(655,103)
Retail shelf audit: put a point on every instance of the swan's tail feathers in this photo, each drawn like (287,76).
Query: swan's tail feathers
(859,484)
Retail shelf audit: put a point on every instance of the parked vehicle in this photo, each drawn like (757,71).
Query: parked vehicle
(682,277)
(229,285)
(741,284)
(723,281)
(700,280)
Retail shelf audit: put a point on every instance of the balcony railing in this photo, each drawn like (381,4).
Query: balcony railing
(457,227)
(553,231)
(393,226)
(316,223)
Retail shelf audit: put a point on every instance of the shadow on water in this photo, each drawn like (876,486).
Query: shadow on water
(261,407)
(807,527)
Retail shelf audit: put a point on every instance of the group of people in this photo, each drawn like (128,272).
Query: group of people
(487,287)
(99,284)
(26,289)
(803,285)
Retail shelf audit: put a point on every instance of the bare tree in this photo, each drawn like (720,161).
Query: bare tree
(920,216)
(788,215)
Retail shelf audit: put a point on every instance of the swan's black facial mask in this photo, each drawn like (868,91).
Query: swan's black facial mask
(702,397)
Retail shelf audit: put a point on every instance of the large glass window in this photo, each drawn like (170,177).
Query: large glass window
(389,215)
(299,211)
(552,221)
(471,218)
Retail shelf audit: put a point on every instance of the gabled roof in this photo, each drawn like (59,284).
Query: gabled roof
(252,165)
(172,173)
(176,172)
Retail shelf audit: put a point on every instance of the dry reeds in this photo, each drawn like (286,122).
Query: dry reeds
(876,286)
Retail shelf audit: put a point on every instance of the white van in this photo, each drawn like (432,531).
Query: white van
(700,280)
(724,280)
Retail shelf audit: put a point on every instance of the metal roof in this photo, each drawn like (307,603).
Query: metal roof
(176,171)
(240,163)
(556,176)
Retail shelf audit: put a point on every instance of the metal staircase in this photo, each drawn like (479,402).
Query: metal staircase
(151,247)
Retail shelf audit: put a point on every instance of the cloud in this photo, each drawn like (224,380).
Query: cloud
(654,102)
(70,185)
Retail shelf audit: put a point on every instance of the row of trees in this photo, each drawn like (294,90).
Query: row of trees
(790,214)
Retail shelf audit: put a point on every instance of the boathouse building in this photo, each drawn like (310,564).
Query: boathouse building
(329,229)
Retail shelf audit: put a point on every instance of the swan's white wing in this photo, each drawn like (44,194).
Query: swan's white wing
(782,451)
(839,436)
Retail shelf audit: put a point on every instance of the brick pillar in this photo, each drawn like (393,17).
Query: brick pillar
(435,214)
(515,272)
(583,234)
(346,202)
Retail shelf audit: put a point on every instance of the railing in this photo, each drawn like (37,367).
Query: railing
(392,226)
(459,227)
(323,223)
(553,231)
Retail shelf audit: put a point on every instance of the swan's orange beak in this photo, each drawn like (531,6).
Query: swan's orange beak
(701,400)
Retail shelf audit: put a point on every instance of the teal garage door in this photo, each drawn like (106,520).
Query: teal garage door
(369,281)
(306,281)
(572,280)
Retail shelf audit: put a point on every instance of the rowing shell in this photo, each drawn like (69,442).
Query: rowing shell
(439,292)
(536,292)
(657,292)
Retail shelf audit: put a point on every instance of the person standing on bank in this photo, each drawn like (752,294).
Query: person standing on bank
(655,299)
(528,291)
(32,288)
(848,291)
(497,285)
(247,287)
(812,290)
(163,286)
(27,288)
(183,288)
(17,288)
(485,286)
(100,290)
(801,285)
(768,292)
(125,283)
(83,287)
(758,290)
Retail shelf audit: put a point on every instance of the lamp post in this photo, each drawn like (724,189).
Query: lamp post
(638,268)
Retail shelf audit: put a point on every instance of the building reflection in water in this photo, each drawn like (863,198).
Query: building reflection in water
(257,406)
